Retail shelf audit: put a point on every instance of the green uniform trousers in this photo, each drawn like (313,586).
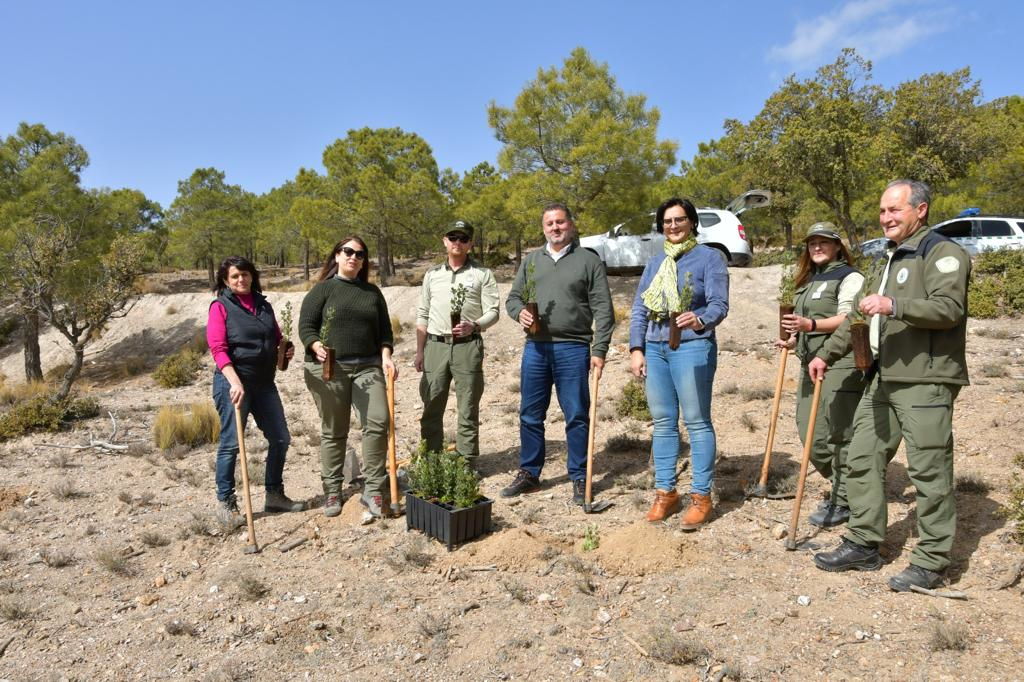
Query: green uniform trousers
(443,362)
(353,386)
(841,391)
(923,415)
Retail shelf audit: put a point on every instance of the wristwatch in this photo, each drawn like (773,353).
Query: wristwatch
(700,322)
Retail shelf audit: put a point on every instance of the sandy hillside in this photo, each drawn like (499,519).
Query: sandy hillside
(527,601)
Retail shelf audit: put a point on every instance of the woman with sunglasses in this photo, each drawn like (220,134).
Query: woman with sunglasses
(689,279)
(242,333)
(826,285)
(359,330)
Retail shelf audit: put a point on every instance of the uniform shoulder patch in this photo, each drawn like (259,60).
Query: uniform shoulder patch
(947,264)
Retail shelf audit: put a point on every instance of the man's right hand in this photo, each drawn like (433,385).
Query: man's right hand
(816,369)
(419,360)
(525,318)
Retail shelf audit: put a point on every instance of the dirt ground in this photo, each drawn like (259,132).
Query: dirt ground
(525,602)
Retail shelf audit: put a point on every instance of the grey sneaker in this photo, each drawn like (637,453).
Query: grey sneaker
(375,504)
(332,505)
(228,514)
(277,501)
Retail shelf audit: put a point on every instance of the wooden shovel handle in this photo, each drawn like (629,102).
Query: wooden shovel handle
(246,495)
(595,380)
(392,460)
(808,445)
(774,420)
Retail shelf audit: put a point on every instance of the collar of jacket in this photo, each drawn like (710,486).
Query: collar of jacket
(912,242)
(573,245)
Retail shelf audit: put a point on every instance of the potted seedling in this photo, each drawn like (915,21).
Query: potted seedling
(675,334)
(458,300)
(787,292)
(530,299)
(286,335)
(860,328)
(444,499)
(325,327)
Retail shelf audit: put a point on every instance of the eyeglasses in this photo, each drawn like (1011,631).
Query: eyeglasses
(458,238)
(360,255)
(669,222)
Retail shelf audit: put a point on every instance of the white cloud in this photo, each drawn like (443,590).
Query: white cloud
(875,28)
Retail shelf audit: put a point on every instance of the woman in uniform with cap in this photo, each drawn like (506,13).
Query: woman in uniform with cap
(826,284)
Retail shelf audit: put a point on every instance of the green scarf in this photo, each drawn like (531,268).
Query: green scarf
(662,296)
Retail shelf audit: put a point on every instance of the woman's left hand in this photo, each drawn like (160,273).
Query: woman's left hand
(794,323)
(688,320)
(289,351)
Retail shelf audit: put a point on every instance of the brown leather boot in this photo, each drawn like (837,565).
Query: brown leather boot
(666,503)
(698,513)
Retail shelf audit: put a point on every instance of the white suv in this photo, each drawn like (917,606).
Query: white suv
(976,233)
(628,246)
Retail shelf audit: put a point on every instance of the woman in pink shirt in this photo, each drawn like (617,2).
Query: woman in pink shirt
(242,333)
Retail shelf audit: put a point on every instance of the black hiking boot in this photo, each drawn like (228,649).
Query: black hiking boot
(849,556)
(915,575)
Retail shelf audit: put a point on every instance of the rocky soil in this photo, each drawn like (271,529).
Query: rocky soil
(112,566)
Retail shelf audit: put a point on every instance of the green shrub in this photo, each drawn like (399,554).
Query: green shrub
(1014,509)
(633,402)
(983,298)
(7,327)
(178,369)
(40,414)
(773,257)
(445,477)
(998,286)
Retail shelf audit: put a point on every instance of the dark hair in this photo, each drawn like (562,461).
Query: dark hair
(557,206)
(330,268)
(243,264)
(805,266)
(688,208)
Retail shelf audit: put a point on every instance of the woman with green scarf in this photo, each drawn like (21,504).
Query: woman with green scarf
(689,283)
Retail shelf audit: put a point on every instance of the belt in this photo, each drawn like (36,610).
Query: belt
(448,338)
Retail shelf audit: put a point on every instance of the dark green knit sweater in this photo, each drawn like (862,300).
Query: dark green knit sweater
(361,324)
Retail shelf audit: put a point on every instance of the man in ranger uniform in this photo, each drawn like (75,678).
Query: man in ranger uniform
(446,351)
(918,312)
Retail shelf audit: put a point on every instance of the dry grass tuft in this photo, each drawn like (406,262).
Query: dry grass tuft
(994,370)
(195,425)
(668,647)
(13,609)
(113,561)
(623,442)
(949,637)
(57,558)
(971,484)
(65,490)
(200,524)
(516,590)
(251,588)
(729,388)
(748,421)
(153,538)
(757,393)
(5,553)
(60,460)
(21,392)
(178,627)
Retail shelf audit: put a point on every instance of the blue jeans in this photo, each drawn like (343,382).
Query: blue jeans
(566,365)
(677,380)
(264,403)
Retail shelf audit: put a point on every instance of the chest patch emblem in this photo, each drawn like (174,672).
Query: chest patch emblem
(902,275)
(820,290)
(947,265)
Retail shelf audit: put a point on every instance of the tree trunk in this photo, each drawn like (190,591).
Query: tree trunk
(30,343)
(69,376)
(384,269)
(519,251)
(209,272)
(788,229)
(305,259)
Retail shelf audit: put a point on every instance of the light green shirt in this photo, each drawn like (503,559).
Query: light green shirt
(481,305)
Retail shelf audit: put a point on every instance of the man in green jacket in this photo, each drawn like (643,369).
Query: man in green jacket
(917,305)
(570,287)
(458,300)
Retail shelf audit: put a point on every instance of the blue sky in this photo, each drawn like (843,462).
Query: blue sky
(258,89)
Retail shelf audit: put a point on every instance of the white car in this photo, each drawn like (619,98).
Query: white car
(974,232)
(628,246)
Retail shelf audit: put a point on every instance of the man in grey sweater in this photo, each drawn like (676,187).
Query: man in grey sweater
(570,287)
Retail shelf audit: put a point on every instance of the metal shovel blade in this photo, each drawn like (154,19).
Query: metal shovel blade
(596,507)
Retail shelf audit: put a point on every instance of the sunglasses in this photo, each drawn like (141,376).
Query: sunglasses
(353,252)
(458,238)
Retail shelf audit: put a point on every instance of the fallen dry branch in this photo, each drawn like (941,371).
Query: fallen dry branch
(108,445)
(6,643)
(643,651)
(292,544)
(946,594)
